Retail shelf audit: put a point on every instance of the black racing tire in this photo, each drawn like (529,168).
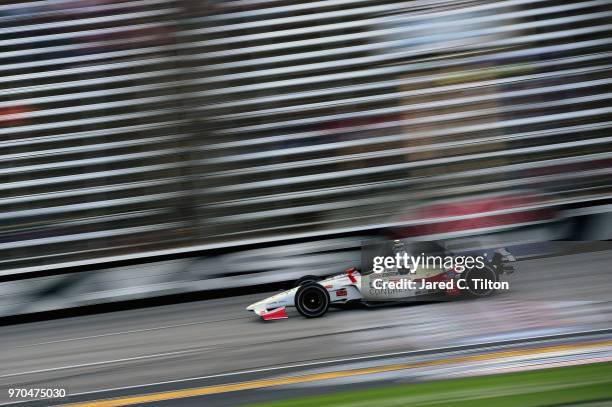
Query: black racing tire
(473,289)
(306,280)
(312,300)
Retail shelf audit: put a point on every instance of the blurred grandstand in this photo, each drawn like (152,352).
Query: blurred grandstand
(147,128)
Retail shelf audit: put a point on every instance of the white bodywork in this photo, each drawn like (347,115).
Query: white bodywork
(341,288)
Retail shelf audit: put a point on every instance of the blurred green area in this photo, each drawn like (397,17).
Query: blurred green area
(588,385)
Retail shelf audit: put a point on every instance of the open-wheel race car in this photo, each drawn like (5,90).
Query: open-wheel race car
(312,296)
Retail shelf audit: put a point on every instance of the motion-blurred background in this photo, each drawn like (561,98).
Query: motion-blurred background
(180,148)
(263,138)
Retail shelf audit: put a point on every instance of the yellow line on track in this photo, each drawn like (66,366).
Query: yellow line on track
(258,384)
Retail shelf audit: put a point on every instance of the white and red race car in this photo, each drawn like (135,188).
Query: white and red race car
(312,296)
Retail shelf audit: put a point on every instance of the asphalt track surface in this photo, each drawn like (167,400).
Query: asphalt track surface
(185,350)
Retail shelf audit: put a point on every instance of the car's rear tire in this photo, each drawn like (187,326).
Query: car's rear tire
(306,280)
(474,289)
(312,300)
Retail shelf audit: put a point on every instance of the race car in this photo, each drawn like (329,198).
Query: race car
(312,296)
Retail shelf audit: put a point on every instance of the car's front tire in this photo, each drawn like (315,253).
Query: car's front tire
(312,300)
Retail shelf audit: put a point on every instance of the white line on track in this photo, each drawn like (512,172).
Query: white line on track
(53,369)
(131,331)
